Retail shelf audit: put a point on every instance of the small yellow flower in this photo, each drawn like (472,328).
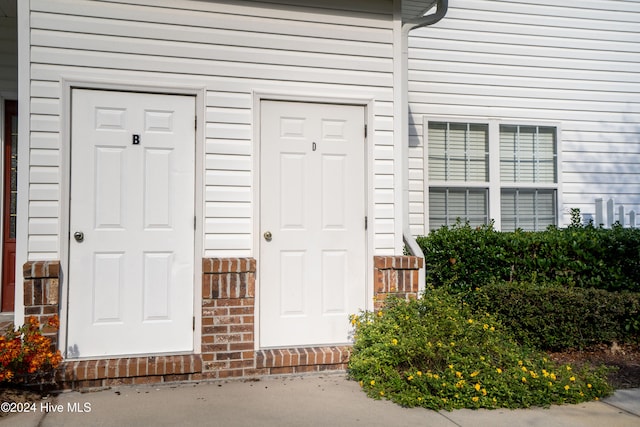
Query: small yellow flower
(552,376)
(533,374)
(419,399)
(470,321)
(436,376)
(379,313)
(361,383)
(381,393)
(410,377)
(477,386)
(524,369)
(524,380)
(450,366)
(484,391)
(596,398)
(444,399)
(492,329)
(568,368)
(394,341)
(419,373)
(588,385)
(475,398)
(550,384)
(452,344)
(572,379)
(373,382)
(460,384)
(567,387)
(482,358)
(519,362)
(485,326)
(545,373)
(458,374)
(474,374)
(498,370)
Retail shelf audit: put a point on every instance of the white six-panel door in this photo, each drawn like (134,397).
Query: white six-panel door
(131,249)
(312,220)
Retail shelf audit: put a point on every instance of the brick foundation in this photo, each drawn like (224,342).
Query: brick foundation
(228,328)
(41,293)
(397,276)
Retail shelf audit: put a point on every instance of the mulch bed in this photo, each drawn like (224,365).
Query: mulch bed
(624,359)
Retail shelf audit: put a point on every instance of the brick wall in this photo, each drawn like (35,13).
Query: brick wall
(397,276)
(41,293)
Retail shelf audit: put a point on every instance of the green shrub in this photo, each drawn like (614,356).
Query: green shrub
(437,353)
(462,258)
(553,317)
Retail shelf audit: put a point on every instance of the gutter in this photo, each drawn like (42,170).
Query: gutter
(442,7)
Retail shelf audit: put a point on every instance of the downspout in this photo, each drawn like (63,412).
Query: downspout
(441,10)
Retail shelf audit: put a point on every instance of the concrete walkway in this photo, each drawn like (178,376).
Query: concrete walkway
(328,400)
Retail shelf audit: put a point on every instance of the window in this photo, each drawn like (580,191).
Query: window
(492,170)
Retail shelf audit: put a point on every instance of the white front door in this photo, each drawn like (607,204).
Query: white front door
(131,249)
(312,219)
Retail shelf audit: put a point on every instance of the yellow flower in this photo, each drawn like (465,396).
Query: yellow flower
(394,341)
(410,377)
(419,373)
(545,373)
(572,379)
(452,344)
(477,386)
(485,326)
(552,376)
(361,383)
(588,385)
(596,398)
(524,380)
(519,362)
(419,399)
(482,358)
(524,369)
(436,376)
(533,374)
(450,366)
(379,313)
(484,391)
(373,382)
(458,374)
(474,374)
(567,387)
(460,384)
(475,398)
(381,393)
(498,370)
(568,368)
(492,329)
(470,321)
(550,384)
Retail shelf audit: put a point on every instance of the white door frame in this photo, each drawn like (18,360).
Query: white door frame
(367,104)
(72,82)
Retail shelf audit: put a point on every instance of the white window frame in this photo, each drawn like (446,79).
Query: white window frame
(494,184)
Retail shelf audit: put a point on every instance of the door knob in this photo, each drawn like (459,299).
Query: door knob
(79,236)
(267,236)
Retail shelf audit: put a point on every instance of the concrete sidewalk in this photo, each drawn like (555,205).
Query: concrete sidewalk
(328,400)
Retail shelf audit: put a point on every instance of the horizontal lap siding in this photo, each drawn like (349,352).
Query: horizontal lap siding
(231,48)
(538,60)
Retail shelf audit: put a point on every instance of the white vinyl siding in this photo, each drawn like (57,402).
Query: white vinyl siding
(233,49)
(573,63)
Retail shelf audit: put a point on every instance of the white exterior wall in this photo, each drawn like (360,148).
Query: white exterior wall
(233,49)
(577,65)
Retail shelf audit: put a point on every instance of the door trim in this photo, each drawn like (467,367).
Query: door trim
(199,92)
(367,104)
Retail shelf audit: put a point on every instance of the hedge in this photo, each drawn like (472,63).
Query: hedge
(462,257)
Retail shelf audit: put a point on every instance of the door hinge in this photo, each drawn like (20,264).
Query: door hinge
(195,123)
(195,222)
(194,323)
(365,131)
(366,222)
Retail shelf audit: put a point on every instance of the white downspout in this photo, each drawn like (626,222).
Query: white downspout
(403,86)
